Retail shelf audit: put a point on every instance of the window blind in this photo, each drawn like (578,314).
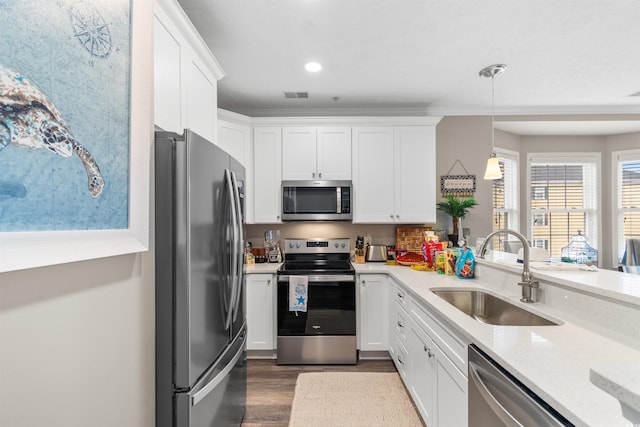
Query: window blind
(563,200)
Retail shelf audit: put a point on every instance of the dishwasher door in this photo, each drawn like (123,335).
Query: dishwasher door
(497,399)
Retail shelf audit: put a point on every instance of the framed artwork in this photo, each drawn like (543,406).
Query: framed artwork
(76,125)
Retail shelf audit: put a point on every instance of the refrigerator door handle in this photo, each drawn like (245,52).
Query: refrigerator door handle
(232,249)
(239,247)
(201,394)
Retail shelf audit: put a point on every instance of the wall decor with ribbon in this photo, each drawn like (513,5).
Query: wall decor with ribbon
(457,185)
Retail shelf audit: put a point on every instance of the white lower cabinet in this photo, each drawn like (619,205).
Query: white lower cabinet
(373,319)
(261,291)
(423,373)
(437,385)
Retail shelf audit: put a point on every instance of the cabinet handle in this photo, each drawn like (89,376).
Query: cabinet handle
(313,174)
(400,295)
(428,351)
(363,281)
(319,174)
(398,216)
(391,216)
(400,324)
(268,281)
(400,360)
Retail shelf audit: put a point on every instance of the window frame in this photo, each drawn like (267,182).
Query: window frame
(514,157)
(568,158)
(616,158)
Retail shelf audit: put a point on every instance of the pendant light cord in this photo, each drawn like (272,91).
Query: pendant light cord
(493,131)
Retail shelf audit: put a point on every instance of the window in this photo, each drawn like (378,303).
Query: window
(627,203)
(563,199)
(505,196)
(540,219)
(541,243)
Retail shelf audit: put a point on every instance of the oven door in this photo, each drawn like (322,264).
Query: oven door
(326,332)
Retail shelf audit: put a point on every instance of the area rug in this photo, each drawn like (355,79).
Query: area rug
(326,399)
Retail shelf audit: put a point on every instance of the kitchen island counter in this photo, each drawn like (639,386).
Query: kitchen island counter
(553,361)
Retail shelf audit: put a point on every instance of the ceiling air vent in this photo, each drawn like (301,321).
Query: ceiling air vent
(296,95)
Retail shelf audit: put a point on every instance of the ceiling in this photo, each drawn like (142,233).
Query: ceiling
(410,57)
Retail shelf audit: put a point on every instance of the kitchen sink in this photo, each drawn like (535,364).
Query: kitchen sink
(488,308)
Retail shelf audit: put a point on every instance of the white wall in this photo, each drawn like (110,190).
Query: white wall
(77,340)
(76,344)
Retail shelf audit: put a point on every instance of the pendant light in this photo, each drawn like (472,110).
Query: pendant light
(493,167)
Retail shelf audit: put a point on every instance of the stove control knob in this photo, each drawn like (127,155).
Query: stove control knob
(298,245)
(336,244)
(290,245)
(343,246)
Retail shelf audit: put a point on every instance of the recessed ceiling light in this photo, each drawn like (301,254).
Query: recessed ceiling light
(313,67)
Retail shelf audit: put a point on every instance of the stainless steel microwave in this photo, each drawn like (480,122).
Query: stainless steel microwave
(317,201)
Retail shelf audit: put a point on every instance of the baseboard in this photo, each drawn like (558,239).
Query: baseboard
(261,354)
(374,355)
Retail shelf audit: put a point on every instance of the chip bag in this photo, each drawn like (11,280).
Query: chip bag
(465,264)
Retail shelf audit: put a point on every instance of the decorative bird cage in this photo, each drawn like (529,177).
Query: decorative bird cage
(578,251)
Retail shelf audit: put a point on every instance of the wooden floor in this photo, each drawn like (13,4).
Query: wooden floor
(270,387)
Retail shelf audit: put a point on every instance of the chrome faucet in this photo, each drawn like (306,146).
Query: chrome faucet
(527,278)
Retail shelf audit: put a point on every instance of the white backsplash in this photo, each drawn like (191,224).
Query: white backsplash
(614,319)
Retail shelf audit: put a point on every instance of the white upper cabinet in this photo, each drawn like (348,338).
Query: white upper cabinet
(267,167)
(168,44)
(299,153)
(394,174)
(202,99)
(334,153)
(316,153)
(373,174)
(414,173)
(185,74)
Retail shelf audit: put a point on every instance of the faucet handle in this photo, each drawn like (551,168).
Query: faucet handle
(530,283)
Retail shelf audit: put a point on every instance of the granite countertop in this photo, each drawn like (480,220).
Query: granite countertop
(553,361)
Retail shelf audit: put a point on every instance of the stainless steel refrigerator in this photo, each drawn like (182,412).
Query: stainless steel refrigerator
(200,308)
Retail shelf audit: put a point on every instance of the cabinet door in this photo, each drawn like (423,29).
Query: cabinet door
(422,384)
(299,153)
(260,290)
(374,312)
(373,175)
(267,149)
(167,54)
(201,99)
(451,392)
(414,167)
(334,153)
(235,139)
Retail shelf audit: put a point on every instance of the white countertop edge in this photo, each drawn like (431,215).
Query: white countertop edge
(620,381)
(557,368)
(262,268)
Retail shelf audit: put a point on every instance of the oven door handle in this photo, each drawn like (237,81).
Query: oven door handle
(322,278)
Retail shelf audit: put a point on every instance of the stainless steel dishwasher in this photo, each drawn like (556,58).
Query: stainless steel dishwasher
(497,399)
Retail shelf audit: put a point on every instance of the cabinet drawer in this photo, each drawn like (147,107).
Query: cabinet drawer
(400,322)
(453,346)
(401,359)
(399,295)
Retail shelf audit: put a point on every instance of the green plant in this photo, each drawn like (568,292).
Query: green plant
(456,208)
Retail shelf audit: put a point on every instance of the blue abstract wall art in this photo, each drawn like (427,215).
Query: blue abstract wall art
(64,115)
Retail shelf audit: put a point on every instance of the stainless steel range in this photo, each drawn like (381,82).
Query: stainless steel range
(326,332)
